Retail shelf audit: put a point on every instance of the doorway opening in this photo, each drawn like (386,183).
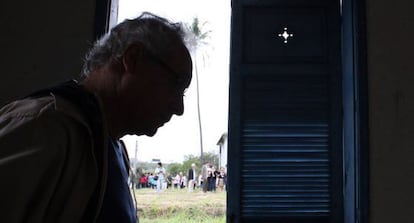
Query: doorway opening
(202,127)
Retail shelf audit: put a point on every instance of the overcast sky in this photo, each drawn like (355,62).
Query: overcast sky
(180,136)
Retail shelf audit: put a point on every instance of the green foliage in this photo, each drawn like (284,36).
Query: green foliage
(145,167)
(197,34)
(188,160)
(212,158)
(174,168)
(209,157)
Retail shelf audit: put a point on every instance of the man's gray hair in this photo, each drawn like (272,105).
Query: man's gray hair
(157,34)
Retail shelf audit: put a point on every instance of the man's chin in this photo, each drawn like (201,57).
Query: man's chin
(142,132)
(151,132)
(147,130)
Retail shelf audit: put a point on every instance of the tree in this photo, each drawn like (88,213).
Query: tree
(197,39)
(210,157)
(175,168)
(146,167)
(188,160)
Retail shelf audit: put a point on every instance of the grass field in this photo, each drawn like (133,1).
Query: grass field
(180,206)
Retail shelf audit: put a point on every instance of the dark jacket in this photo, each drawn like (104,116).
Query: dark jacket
(49,167)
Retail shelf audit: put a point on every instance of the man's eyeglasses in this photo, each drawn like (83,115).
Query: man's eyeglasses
(166,67)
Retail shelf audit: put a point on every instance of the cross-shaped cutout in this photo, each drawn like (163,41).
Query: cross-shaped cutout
(285,34)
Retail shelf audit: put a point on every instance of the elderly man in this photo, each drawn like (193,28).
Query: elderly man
(61,159)
(192,178)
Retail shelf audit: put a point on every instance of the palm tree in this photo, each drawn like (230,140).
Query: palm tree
(197,39)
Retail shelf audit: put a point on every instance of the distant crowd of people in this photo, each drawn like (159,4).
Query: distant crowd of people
(207,179)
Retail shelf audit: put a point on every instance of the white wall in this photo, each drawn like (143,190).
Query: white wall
(224,152)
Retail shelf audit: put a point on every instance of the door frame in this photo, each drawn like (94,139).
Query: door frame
(356,69)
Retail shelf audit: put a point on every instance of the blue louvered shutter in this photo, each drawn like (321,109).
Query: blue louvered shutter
(285,115)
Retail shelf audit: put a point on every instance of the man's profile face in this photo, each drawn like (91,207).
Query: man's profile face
(156,93)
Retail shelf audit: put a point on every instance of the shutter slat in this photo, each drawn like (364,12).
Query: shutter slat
(285,147)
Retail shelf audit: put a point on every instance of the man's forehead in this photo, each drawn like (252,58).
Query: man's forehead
(180,61)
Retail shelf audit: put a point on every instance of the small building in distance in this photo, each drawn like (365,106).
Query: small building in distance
(222,144)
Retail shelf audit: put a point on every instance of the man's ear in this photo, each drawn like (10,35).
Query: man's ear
(133,57)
